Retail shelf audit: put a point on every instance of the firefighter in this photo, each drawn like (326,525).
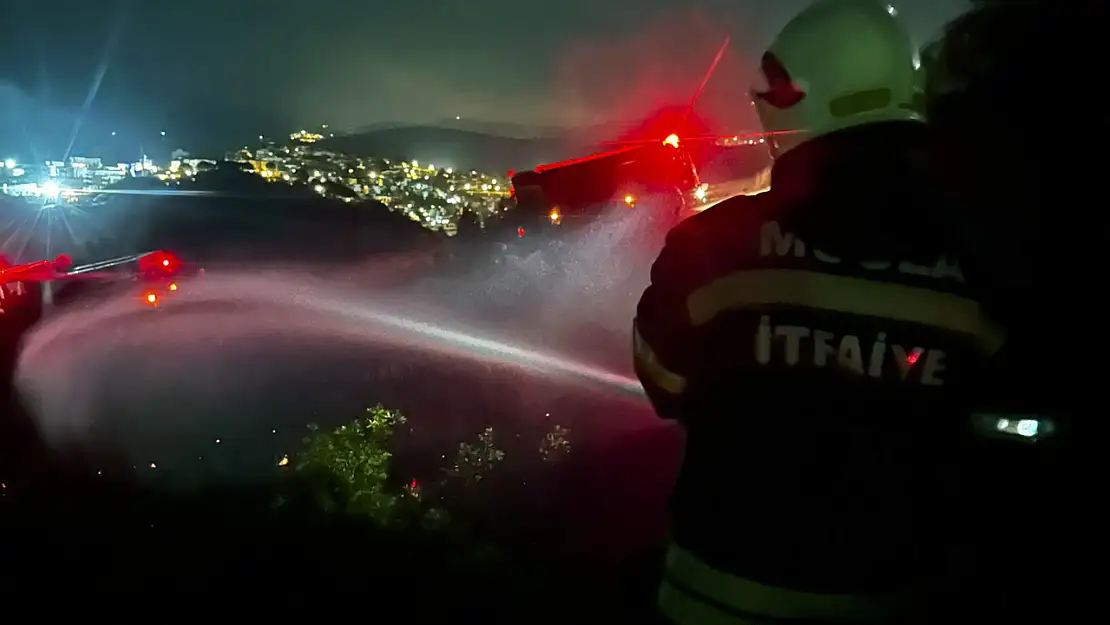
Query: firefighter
(1014,195)
(816,344)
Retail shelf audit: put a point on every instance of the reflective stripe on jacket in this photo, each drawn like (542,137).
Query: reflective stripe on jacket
(693,593)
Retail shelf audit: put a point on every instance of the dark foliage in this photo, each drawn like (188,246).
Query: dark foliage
(222,544)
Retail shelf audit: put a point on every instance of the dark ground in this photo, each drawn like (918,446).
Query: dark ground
(569,544)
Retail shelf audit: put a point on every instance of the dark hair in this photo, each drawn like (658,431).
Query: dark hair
(1014,100)
(1015,104)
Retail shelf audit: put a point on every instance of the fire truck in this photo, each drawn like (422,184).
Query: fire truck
(659,177)
(149,278)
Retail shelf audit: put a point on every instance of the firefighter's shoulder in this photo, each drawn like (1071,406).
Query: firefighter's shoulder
(711,241)
(720,221)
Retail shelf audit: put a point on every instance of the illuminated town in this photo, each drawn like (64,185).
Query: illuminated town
(435,197)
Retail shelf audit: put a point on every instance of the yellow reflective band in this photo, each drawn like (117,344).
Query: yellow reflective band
(856,296)
(647,363)
(682,609)
(740,598)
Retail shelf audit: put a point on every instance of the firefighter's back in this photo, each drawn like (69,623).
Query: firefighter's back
(817,342)
(825,347)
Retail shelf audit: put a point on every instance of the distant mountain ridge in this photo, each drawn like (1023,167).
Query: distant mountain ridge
(502,129)
(458,148)
(484,145)
(494,154)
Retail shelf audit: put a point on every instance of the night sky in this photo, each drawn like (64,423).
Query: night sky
(214,72)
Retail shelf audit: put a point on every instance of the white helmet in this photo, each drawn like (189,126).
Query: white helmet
(838,64)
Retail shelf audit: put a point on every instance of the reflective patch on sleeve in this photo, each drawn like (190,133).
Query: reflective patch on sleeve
(856,296)
(694,593)
(648,365)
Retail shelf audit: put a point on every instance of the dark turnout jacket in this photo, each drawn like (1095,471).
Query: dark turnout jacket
(817,342)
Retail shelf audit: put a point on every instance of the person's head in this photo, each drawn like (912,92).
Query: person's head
(839,64)
(1011,99)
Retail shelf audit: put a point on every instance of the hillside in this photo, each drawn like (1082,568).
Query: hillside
(235,215)
(449,147)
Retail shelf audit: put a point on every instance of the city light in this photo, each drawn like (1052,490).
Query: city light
(50,190)
(438,199)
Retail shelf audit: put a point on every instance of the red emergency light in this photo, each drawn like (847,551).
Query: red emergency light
(160,263)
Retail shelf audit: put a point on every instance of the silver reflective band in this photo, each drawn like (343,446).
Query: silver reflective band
(649,365)
(693,593)
(1014,426)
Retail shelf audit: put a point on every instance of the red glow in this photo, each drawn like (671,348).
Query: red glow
(413,485)
(585,159)
(38,271)
(63,262)
(658,63)
(159,263)
(663,124)
(912,357)
(520,232)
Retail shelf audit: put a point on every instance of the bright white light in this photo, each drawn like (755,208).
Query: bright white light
(890,9)
(50,189)
(163,133)
(10,163)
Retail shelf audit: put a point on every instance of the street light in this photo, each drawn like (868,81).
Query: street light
(10,163)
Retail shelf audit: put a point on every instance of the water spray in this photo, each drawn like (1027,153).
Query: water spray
(247,304)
